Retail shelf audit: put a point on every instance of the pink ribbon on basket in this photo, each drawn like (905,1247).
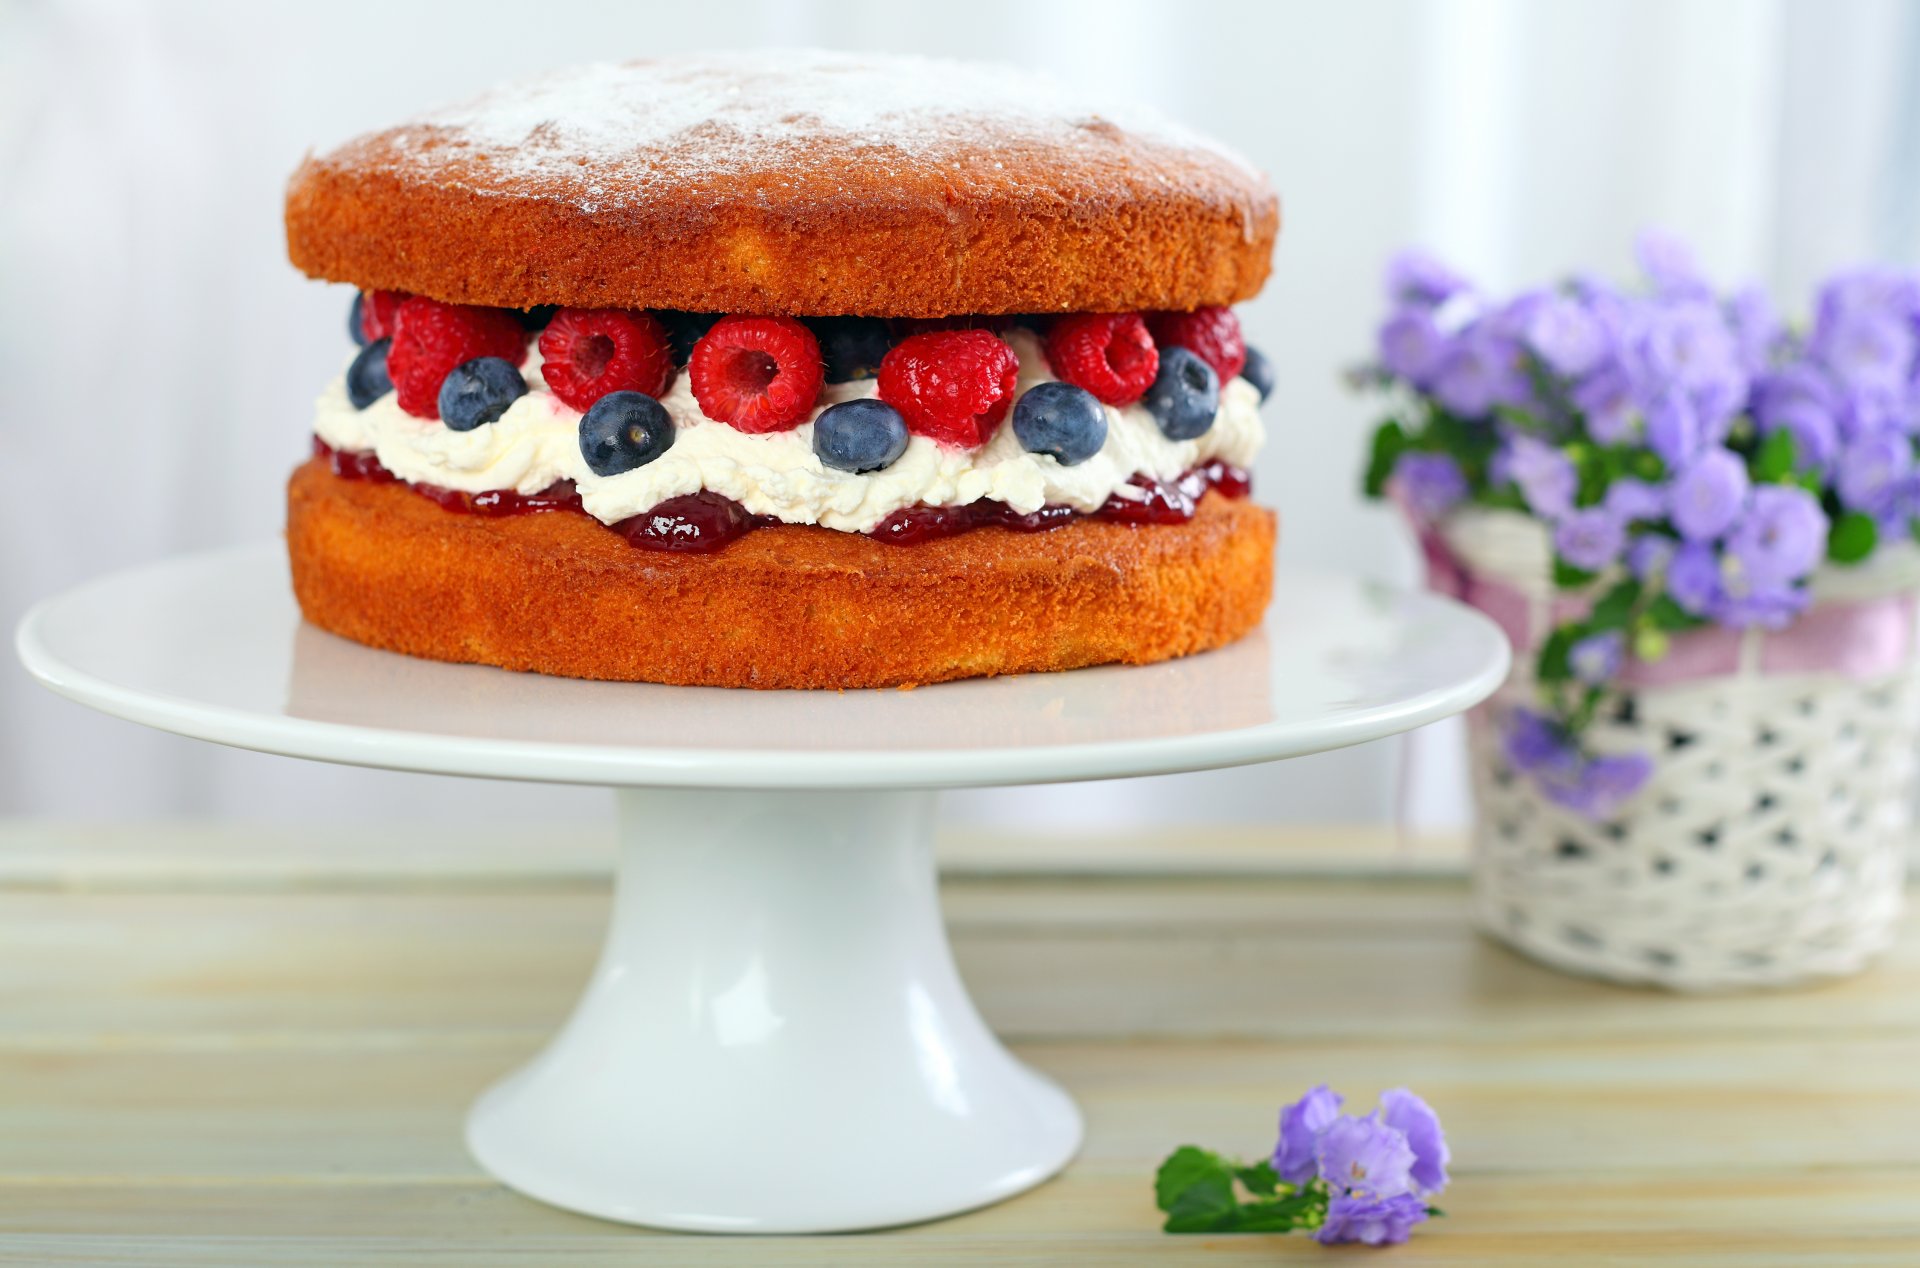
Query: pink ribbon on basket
(1861,639)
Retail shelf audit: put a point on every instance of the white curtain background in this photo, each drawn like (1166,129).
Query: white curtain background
(158,357)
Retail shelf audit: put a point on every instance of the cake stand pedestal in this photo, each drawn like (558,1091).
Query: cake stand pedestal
(775,1038)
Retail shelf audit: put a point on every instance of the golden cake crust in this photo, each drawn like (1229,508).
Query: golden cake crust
(784,606)
(789,182)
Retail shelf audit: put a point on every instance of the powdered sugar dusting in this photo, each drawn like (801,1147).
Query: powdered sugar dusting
(608,135)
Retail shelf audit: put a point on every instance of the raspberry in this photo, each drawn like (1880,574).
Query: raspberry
(951,385)
(589,352)
(430,338)
(1108,354)
(1212,334)
(377,312)
(759,374)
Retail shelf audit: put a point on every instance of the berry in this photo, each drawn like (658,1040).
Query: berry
(537,317)
(951,385)
(851,347)
(859,436)
(589,352)
(1109,354)
(624,430)
(478,391)
(693,523)
(367,377)
(1185,395)
(372,315)
(1062,420)
(431,338)
(1259,372)
(1212,334)
(759,374)
(684,330)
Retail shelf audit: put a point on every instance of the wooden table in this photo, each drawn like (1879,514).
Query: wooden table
(220,1047)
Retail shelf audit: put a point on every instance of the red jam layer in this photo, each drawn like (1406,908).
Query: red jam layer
(697,523)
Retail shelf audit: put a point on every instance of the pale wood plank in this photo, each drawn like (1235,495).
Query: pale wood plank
(271,1070)
(1088,1215)
(1301,959)
(314,1111)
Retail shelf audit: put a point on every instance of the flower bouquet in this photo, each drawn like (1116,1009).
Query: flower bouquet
(1696,526)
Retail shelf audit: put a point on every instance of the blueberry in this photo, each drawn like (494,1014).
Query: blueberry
(1060,419)
(1259,372)
(684,330)
(537,317)
(1185,395)
(851,347)
(367,377)
(354,327)
(479,391)
(859,436)
(624,430)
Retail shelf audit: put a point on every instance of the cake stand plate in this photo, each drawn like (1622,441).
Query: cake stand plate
(775,1038)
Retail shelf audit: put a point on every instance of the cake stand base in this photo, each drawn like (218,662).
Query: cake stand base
(775,1039)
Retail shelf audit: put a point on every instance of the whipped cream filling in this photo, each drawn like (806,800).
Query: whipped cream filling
(537,443)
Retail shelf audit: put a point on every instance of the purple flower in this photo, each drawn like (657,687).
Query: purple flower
(1601,785)
(1708,495)
(1772,608)
(1800,399)
(1650,554)
(1370,1221)
(1866,409)
(1606,398)
(1301,1125)
(1565,336)
(1411,345)
(1364,1155)
(1413,1118)
(1781,538)
(1673,427)
(1668,263)
(1755,326)
(1414,277)
(1632,499)
(1693,578)
(1865,350)
(1480,370)
(1688,344)
(1545,476)
(1872,471)
(1431,483)
(1596,659)
(1535,743)
(1875,290)
(1590,538)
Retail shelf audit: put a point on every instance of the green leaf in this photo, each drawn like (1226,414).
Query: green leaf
(1260,1179)
(1667,614)
(1614,610)
(1648,466)
(1775,459)
(1194,1187)
(1276,1215)
(1568,577)
(1852,538)
(1389,442)
(1552,665)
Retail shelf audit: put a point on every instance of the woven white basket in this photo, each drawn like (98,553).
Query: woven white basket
(1768,847)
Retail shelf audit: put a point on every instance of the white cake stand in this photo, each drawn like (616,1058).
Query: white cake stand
(775,1039)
